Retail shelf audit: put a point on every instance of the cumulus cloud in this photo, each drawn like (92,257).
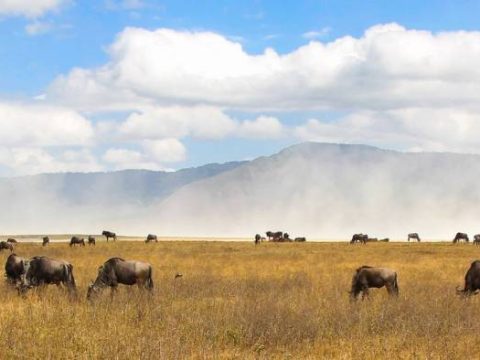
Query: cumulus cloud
(165,151)
(42,125)
(34,160)
(388,67)
(263,127)
(29,8)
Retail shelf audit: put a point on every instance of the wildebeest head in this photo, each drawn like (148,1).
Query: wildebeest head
(99,283)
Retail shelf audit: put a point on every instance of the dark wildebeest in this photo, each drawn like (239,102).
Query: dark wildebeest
(12,241)
(384,240)
(285,238)
(75,240)
(258,238)
(476,239)
(91,240)
(109,234)
(45,240)
(369,277)
(119,271)
(361,238)
(472,280)
(371,240)
(43,270)
(151,237)
(460,236)
(15,268)
(300,239)
(6,246)
(413,236)
(274,236)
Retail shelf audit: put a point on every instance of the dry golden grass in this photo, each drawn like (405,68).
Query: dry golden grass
(236,300)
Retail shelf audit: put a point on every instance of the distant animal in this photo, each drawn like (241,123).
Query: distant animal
(472,280)
(384,240)
(459,237)
(75,240)
(274,236)
(12,241)
(45,240)
(109,234)
(151,237)
(371,240)
(258,238)
(285,238)
(300,239)
(476,239)
(119,271)
(44,270)
(361,238)
(6,246)
(413,236)
(367,277)
(15,268)
(91,240)
(178,275)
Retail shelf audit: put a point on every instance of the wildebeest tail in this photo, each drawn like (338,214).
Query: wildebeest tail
(395,284)
(149,280)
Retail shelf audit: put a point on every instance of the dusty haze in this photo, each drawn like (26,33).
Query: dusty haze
(322,191)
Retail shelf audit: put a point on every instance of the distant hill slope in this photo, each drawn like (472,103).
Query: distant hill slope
(331,191)
(313,189)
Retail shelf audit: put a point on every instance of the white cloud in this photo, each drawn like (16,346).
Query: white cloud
(124,4)
(201,122)
(388,67)
(34,160)
(414,129)
(29,8)
(165,151)
(317,34)
(263,127)
(28,125)
(38,28)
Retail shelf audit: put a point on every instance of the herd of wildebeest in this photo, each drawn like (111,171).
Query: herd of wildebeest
(25,274)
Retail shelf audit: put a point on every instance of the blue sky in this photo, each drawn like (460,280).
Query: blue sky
(380,74)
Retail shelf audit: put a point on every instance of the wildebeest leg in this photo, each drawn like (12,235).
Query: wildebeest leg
(365,292)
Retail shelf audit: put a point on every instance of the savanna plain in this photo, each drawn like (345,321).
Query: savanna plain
(236,300)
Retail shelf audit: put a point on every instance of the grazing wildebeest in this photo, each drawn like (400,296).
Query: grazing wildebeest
(476,239)
(43,270)
(369,277)
(258,238)
(45,240)
(274,236)
(361,238)
(15,268)
(6,246)
(300,239)
(472,280)
(151,237)
(285,238)
(12,241)
(109,234)
(119,271)
(371,240)
(413,236)
(91,240)
(384,240)
(75,240)
(459,237)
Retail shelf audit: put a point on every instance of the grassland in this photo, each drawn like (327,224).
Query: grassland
(235,300)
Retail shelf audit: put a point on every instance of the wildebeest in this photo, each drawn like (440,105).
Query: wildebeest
(370,277)
(119,271)
(109,234)
(274,236)
(75,240)
(460,236)
(258,238)
(91,240)
(361,238)
(45,240)
(6,246)
(44,270)
(476,239)
(413,236)
(371,240)
(300,239)
(384,240)
(15,268)
(472,280)
(151,237)
(12,241)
